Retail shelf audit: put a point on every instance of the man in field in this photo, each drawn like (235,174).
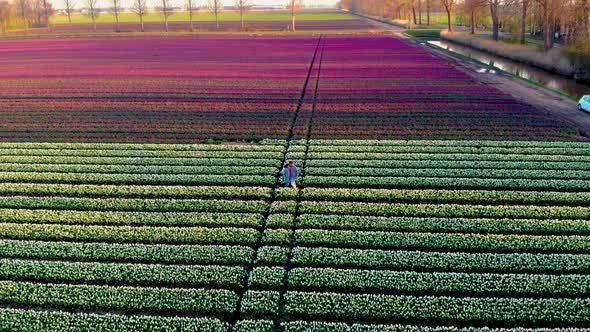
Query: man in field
(290,175)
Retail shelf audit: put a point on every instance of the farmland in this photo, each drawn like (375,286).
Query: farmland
(140,190)
(203,21)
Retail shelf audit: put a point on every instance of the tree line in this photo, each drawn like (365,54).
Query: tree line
(37,13)
(554,20)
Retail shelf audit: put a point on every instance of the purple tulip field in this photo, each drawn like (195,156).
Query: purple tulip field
(141,190)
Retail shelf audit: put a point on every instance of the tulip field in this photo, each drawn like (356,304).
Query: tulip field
(140,190)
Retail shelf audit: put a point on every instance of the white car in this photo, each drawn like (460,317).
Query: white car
(584,104)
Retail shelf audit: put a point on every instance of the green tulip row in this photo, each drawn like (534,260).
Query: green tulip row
(133,191)
(432,241)
(455,225)
(449,164)
(171,301)
(186,219)
(581,150)
(443,173)
(131,204)
(474,284)
(439,196)
(411,182)
(60,321)
(147,169)
(427,261)
(441,210)
(463,284)
(139,179)
(129,234)
(433,156)
(430,309)
(125,274)
(322,326)
(126,253)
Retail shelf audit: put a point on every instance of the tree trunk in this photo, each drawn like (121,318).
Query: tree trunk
(472,21)
(117,22)
(293,21)
(548,31)
(427,12)
(242,19)
(216,19)
(523,22)
(420,12)
(141,23)
(190,15)
(449,20)
(94,22)
(414,15)
(45,9)
(69,18)
(495,24)
(586,25)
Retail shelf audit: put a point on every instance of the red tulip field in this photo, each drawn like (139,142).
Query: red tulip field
(141,190)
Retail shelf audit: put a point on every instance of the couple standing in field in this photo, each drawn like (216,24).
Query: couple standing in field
(290,174)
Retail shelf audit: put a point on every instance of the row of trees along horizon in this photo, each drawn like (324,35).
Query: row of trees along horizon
(543,18)
(29,14)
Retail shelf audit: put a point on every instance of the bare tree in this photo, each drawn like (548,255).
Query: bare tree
(69,8)
(494,7)
(472,7)
(46,11)
(411,4)
(92,11)
(420,12)
(140,8)
(116,11)
(294,7)
(190,8)
(243,6)
(449,5)
(523,19)
(23,8)
(5,11)
(427,12)
(215,6)
(166,12)
(549,9)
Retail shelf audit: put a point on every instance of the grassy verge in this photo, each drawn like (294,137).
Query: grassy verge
(509,41)
(31,35)
(202,17)
(423,33)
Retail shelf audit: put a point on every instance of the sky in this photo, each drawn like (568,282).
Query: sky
(127,3)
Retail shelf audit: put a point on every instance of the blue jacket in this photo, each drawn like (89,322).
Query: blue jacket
(295,173)
(285,174)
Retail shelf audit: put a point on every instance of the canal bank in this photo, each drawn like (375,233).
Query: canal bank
(539,96)
(559,83)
